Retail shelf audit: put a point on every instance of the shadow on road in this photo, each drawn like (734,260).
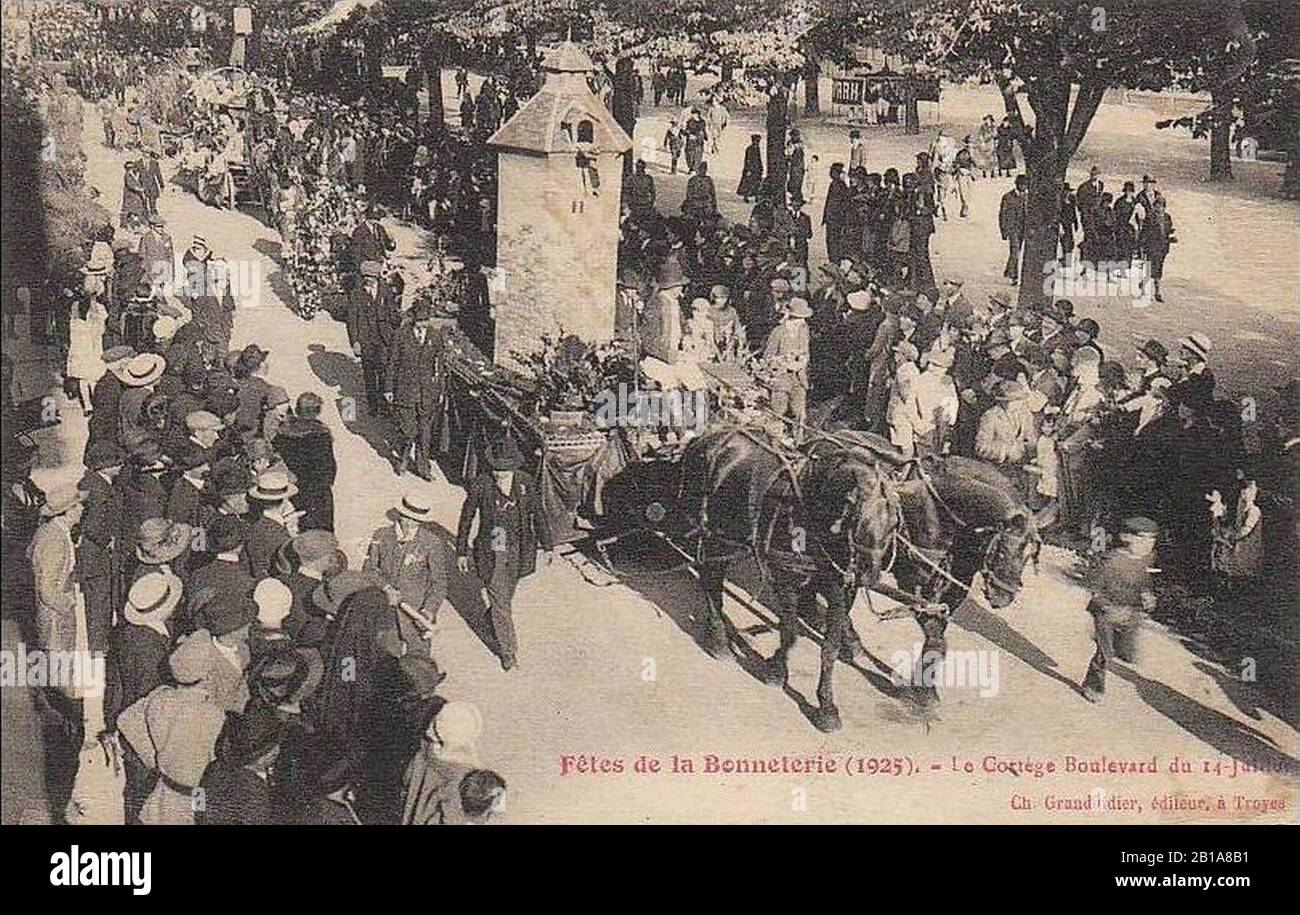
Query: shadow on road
(342,372)
(1227,735)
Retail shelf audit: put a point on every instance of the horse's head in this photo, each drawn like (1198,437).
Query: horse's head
(866,510)
(1013,544)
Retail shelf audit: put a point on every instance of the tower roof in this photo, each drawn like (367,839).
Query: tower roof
(548,123)
(567,58)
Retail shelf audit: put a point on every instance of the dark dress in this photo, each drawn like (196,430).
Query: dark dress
(751,173)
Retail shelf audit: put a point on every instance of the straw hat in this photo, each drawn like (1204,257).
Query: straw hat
(272,486)
(153,596)
(142,370)
(415,506)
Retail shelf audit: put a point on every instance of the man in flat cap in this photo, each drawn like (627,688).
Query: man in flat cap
(1122,594)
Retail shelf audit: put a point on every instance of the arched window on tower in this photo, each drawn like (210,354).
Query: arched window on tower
(586,131)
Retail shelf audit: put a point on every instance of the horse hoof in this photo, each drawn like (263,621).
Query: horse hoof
(826,718)
(927,697)
(775,673)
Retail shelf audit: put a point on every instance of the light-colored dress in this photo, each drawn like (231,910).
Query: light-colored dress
(86,342)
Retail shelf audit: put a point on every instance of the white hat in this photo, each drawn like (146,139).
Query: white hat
(154,595)
(165,327)
(142,370)
(273,599)
(457,724)
(1196,343)
(272,486)
(859,300)
(416,506)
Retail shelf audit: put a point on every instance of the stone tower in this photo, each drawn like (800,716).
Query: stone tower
(559,168)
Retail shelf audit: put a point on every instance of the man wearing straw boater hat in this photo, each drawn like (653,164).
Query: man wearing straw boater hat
(106,399)
(411,557)
(507,505)
(1196,388)
(141,645)
(277,523)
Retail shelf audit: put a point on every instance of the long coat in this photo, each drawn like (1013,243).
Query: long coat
(53,558)
(307,448)
(751,173)
(372,321)
(480,501)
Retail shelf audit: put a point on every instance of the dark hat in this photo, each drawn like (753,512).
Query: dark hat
(251,734)
(221,403)
(251,357)
(670,275)
(504,455)
(225,613)
(1088,328)
(231,478)
(225,533)
(1154,350)
(331,594)
(285,674)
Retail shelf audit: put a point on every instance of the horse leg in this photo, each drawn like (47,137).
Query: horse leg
(933,650)
(827,716)
(712,577)
(788,594)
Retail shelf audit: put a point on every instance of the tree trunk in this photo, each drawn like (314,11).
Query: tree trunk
(778,168)
(1037,265)
(811,90)
(1220,134)
(623,103)
(431,61)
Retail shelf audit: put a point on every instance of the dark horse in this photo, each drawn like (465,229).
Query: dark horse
(961,516)
(818,522)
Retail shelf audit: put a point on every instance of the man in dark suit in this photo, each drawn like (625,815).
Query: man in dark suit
(1013,218)
(372,320)
(834,213)
(413,388)
(507,504)
(370,240)
(225,574)
(1087,196)
(276,525)
(306,446)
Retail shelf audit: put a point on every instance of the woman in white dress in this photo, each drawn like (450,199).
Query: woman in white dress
(86,327)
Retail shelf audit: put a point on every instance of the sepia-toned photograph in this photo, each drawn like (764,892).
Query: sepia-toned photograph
(674,412)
